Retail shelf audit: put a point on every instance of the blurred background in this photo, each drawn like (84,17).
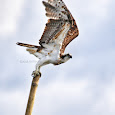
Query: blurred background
(85,85)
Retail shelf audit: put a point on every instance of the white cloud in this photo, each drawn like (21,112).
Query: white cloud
(99,8)
(49,97)
(12,102)
(10,11)
(106,103)
(91,12)
(59,94)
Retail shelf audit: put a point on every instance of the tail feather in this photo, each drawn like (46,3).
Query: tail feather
(31,48)
(27,45)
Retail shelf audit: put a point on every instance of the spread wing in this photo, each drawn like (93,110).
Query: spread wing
(72,34)
(58,15)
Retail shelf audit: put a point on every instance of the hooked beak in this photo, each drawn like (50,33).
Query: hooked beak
(70,56)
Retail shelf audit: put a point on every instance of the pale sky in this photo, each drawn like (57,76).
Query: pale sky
(85,85)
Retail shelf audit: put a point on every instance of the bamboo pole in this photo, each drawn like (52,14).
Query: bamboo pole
(32,94)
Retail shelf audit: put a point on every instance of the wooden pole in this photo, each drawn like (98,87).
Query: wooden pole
(31,99)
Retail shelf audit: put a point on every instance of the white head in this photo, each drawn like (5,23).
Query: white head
(65,58)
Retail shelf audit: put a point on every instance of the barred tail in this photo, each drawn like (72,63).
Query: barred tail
(27,45)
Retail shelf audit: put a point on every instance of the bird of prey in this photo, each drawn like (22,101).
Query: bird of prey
(60,30)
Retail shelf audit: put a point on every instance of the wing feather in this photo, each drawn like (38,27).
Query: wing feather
(52,28)
(56,9)
(58,13)
(72,34)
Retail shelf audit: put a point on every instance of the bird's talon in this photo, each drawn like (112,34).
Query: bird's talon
(36,73)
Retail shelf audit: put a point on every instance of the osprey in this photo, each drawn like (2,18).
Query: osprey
(60,30)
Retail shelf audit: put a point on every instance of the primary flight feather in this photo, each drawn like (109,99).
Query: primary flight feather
(60,30)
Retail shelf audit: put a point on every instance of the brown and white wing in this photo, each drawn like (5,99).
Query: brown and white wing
(56,9)
(58,16)
(72,34)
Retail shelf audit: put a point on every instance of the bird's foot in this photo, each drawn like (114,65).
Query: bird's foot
(36,73)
